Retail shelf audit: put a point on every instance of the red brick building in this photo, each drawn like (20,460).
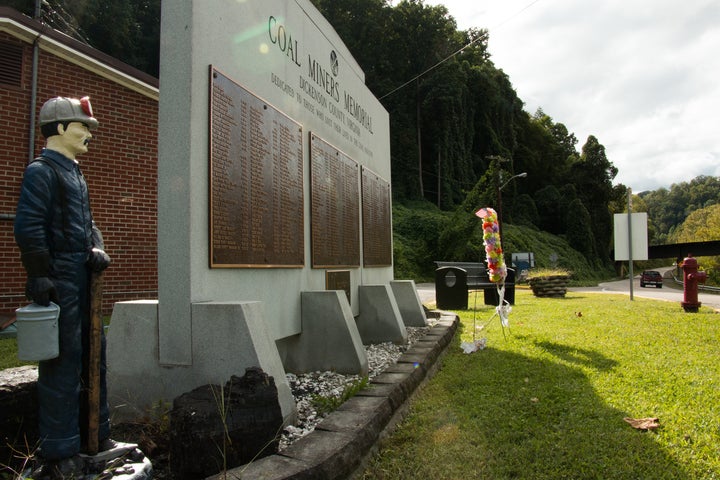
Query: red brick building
(120,166)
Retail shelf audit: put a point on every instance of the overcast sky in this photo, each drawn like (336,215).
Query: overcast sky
(642,76)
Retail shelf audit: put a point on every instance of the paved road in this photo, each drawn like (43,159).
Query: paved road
(666,293)
(426,292)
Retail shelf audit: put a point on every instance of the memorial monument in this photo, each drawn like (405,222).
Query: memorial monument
(274,217)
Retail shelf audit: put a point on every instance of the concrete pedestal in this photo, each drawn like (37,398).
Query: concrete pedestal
(329,340)
(227,338)
(379,320)
(408,303)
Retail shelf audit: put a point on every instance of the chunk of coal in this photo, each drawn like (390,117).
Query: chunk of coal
(214,428)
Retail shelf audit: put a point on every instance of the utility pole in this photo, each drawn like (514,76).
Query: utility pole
(630,242)
(499,195)
(419,137)
(438,180)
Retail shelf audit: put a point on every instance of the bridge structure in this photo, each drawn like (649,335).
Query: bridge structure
(682,250)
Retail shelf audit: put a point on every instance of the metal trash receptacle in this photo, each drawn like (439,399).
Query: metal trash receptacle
(451,288)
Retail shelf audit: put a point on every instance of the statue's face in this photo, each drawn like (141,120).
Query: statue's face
(74,139)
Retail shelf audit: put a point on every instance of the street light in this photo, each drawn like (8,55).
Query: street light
(519,175)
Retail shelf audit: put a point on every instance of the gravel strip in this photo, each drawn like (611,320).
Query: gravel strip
(307,386)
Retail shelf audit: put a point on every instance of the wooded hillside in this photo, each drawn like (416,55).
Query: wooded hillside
(460,137)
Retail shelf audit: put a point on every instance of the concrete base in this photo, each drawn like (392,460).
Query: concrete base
(329,340)
(341,444)
(408,303)
(227,338)
(379,320)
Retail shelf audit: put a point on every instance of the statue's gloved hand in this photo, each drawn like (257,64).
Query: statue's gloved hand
(41,290)
(98,260)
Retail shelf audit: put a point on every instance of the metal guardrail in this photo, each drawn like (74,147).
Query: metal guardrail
(701,287)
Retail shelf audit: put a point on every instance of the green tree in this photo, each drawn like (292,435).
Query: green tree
(619,205)
(661,212)
(460,240)
(447,136)
(451,111)
(422,36)
(128,30)
(548,201)
(579,230)
(592,175)
(525,211)
(668,208)
(700,226)
(558,151)
(618,202)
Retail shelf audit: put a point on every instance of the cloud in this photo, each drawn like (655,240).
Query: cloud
(643,76)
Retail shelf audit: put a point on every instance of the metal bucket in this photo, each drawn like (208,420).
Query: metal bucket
(37,332)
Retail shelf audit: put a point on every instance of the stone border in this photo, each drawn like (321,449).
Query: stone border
(341,443)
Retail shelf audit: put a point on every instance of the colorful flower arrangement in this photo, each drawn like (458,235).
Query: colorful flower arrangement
(497,271)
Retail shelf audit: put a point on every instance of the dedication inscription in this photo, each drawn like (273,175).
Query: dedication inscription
(334,206)
(376,220)
(256,181)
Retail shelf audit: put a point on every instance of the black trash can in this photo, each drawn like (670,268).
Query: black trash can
(451,288)
(491,293)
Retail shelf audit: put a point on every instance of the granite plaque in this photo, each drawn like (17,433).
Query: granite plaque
(256,181)
(334,206)
(338,280)
(376,220)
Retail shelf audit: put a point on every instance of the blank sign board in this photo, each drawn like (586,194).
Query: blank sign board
(639,236)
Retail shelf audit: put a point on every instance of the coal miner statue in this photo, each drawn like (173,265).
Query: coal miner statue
(61,249)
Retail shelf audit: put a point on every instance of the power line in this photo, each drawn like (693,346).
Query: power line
(515,14)
(459,51)
(433,67)
(60,19)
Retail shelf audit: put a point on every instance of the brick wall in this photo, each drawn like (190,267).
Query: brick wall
(120,168)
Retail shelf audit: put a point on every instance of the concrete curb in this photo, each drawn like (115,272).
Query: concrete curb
(339,445)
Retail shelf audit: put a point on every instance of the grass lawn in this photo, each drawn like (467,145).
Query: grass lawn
(8,354)
(548,401)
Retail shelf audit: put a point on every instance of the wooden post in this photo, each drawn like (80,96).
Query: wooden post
(96,288)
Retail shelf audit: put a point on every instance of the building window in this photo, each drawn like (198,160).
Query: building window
(11,62)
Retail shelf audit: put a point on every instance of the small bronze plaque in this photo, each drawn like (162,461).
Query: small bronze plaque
(338,280)
(334,206)
(256,181)
(376,220)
